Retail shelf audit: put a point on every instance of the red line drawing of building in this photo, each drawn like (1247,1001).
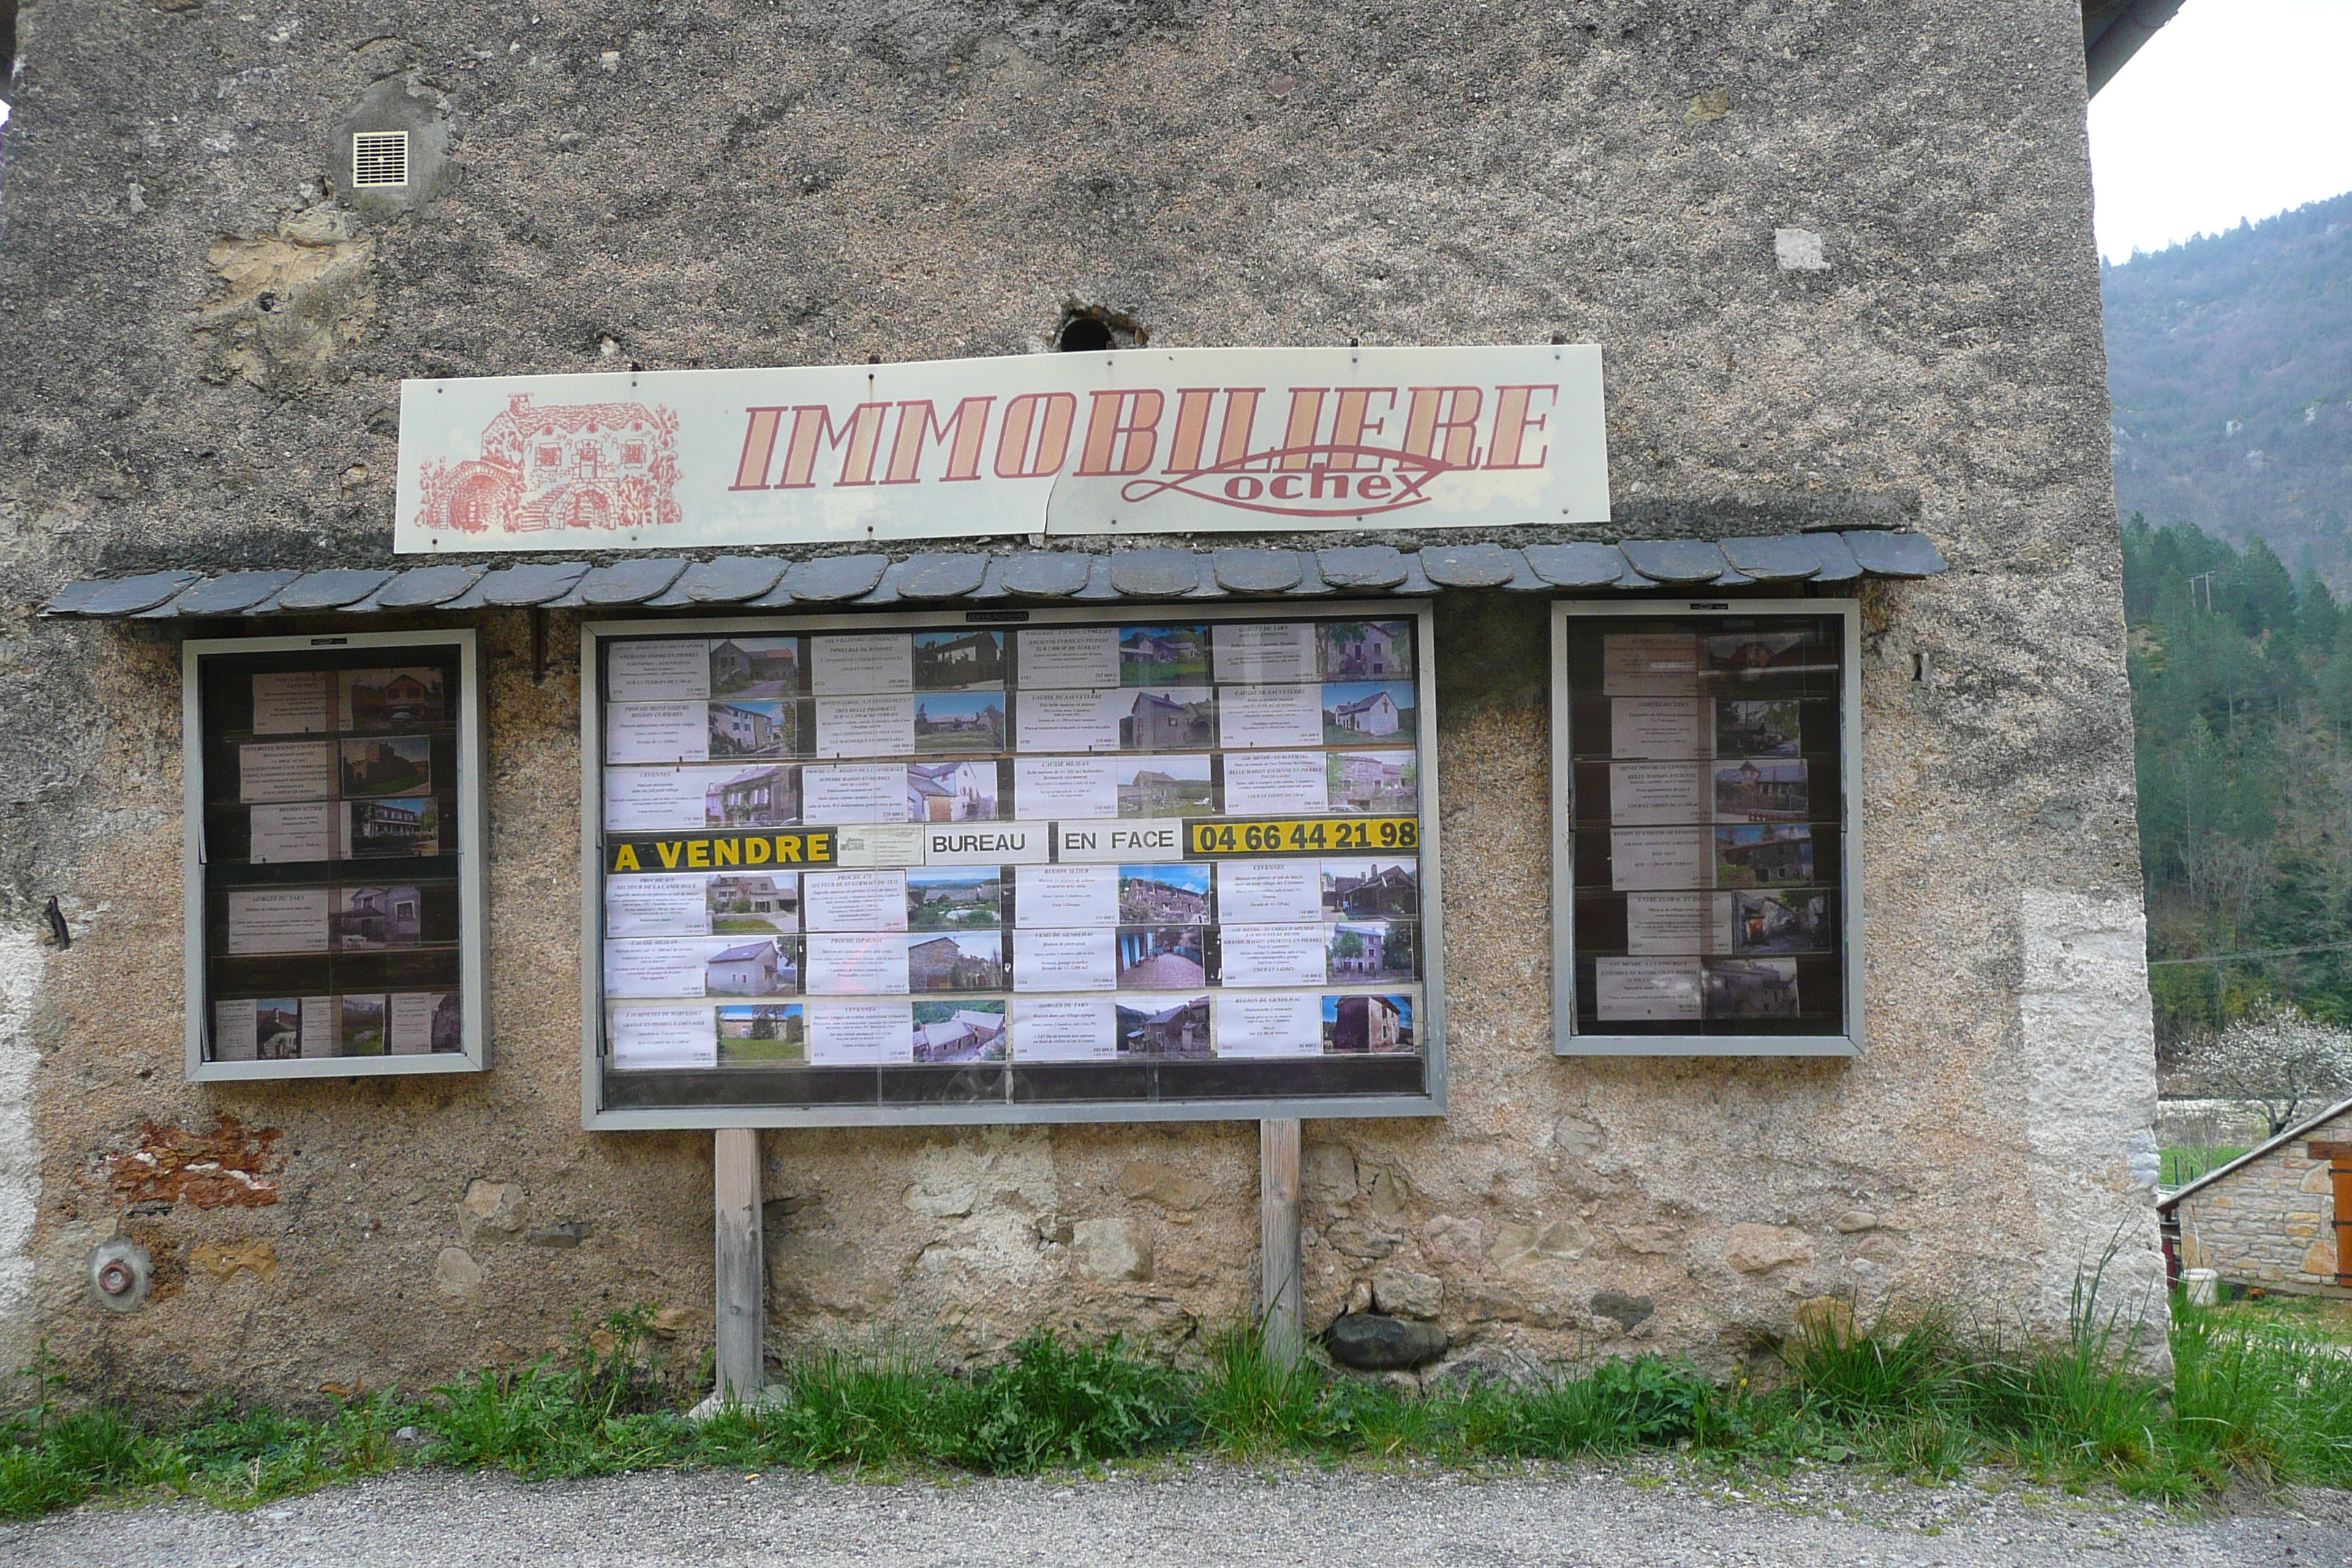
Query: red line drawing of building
(567,466)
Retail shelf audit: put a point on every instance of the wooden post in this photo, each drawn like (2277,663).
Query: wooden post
(1278,1214)
(742,1286)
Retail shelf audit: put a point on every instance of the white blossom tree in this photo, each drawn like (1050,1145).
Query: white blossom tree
(2288,1064)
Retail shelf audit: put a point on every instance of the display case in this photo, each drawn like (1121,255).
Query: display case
(1052,864)
(333,855)
(1705,897)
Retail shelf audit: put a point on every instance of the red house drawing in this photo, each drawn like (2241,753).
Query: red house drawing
(577,465)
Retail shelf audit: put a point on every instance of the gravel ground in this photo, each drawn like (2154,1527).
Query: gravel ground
(1203,1514)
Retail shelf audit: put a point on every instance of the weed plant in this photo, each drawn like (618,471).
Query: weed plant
(2259,1399)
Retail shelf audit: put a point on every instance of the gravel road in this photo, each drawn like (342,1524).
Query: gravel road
(1200,1514)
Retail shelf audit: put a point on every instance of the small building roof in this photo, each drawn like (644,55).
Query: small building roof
(749,950)
(2299,1129)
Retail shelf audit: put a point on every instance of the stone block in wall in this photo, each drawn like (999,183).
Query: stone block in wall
(2319,1179)
(1759,1249)
(2319,1260)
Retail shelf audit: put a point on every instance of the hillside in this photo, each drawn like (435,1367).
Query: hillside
(2229,361)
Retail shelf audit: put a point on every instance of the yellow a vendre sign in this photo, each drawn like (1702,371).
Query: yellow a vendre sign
(1139,441)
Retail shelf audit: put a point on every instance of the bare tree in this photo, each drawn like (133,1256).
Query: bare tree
(2287,1063)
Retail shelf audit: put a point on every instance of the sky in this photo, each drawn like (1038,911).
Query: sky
(2237,109)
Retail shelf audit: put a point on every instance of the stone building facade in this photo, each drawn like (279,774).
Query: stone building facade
(2273,1217)
(1839,261)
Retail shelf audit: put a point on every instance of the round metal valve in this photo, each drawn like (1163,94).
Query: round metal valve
(119,1273)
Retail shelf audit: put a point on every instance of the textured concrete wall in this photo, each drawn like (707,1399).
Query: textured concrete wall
(202,342)
(2270,1222)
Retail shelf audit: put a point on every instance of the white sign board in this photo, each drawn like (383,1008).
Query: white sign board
(1142,441)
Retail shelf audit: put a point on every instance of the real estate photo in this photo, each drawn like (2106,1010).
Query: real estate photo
(1175,720)
(391,765)
(1763,855)
(747,728)
(1745,728)
(1178,1031)
(1162,958)
(1358,952)
(755,668)
(1163,656)
(1372,781)
(767,797)
(767,967)
(1371,890)
(1367,1023)
(1361,710)
(392,698)
(368,919)
(1173,894)
(947,1032)
(955,898)
(753,903)
(947,660)
(1365,650)
(952,791)
(1167,787)
(761,1034)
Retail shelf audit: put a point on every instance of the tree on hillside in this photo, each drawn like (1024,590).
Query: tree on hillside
(2278,1058)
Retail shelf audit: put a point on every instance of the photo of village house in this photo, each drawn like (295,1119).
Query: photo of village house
(1177,720)
(1751,988)
(1174,895)
(1759,790)
(1166,786)
(1367,1023)
(761,1034)
(1750,653)
(277,1029)
(363,1027)
(1763,855)
(952,791)
(755,666)
(1365,650)
(449,1022)
(1162,958)
(1360,711)
(1179,1032)
(946,660)
(758,903)
(1779,922)
(769,967)
(949,722)
(955,898)
(755,729)
(368,919)
(974,963)
(1360,952)
(1163,656)
(400,764)
(1371,890)
(1763,728)
(756,798)
(391,699)
(385,828)
(1372,781)
(951,1032)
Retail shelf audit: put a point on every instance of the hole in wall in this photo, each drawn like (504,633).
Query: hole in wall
(1093,329)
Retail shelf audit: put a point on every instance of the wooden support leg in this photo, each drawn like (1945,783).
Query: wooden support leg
(742,1286)
(1278,1291)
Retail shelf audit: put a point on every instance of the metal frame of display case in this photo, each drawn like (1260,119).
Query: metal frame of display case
(1567,1040)
(594,1115)
(473,1052)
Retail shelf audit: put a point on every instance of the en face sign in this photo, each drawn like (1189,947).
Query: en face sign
(1143,441)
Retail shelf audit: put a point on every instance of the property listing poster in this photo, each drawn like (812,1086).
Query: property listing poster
(329,853)
(1703,797)
(1019,846)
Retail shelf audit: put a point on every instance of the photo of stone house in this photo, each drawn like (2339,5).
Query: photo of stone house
(372,918)
(755,666)
(1167,721)
(750,728)
(1749,988)
(277,1029)
(449,1022)
(945,660)
(955,898)
(1356,951)
(399,764)
(960,722)
(1166,786)
(1366,889)
(761,1034)
(949,1033)
(1367,1023)
(391,699)
(1173,894)
(1366,650)
(956,963)
(1763,856)
(747,969)
(757,797)
(1163,656)
(2278,1217)
(1372,781)
(1760,791)
(1179,1032)
(383,827)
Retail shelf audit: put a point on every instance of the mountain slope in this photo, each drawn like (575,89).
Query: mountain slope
(2230,362)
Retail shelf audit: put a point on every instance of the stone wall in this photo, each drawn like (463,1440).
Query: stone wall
(202,338)
(2271,1221)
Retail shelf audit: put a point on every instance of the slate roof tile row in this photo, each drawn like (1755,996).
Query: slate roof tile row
(770,582)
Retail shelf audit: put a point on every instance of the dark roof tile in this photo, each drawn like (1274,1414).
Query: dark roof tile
(1047,573)
(1258,570)
(1470,565)
(1155,574)
(1674,560)
(231,593)
(942,575)
(331,589)
(1780,558)
(1888,554)
(1577,565)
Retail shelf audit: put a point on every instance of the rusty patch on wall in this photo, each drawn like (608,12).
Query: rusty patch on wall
(232,1166)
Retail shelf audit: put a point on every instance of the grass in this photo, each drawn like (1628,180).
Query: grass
(2259,1396)
(2184,1165)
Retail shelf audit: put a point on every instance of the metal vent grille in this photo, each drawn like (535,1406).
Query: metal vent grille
(380,158)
